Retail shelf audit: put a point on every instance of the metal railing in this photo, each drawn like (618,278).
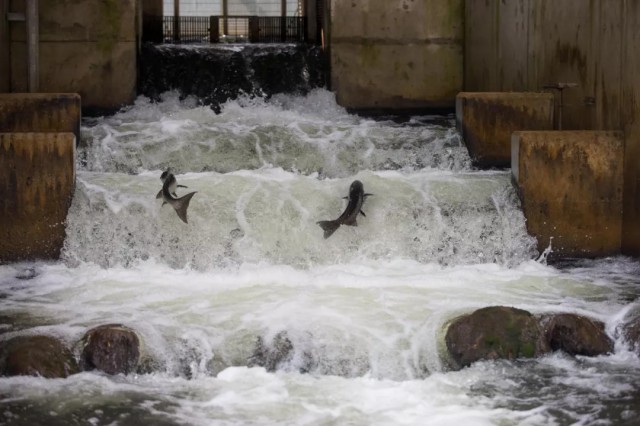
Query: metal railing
(252,29)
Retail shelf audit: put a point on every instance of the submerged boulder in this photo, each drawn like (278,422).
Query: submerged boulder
(42,356)
(576,335)
(112,348)
(631,333)
(278,354)
(496,332)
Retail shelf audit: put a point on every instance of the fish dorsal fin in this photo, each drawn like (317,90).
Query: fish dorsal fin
(159,195)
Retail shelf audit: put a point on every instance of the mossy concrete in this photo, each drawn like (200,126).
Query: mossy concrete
(396,55)
(37,180)
(87,47)
(571,184)
(486,121)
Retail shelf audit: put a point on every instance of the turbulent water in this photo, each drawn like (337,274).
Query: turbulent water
(364,310)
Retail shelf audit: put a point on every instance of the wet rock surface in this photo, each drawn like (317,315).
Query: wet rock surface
(576,335)
(111,348)
(42,356)
(218,73)
(631,333)
(277,354)
(496,332)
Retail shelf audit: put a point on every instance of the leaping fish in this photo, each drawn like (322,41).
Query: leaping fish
(172,188)
(168,194)
(348,217)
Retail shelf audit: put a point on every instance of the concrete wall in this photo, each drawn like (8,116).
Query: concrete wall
(40,112)
(570,184)
(38,134)
(86,46)
(396,54)
(5,66)
(37,180)
(523,45)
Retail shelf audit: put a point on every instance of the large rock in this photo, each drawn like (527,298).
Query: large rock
(36,356)
(112,348)
(576,335)
(495,332)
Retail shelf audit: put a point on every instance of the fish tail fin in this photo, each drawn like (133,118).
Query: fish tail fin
(329,227)
(182,204)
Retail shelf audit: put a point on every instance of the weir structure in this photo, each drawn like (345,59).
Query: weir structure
(547,88)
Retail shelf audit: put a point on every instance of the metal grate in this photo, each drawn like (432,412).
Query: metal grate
(254,29)
(188,29)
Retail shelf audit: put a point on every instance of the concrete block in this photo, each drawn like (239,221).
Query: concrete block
(382,76)
(105,80)
(37,180)
(570,184)
(404,55)
(104,22)
(40,112)
(486,121)
(400,20)
(86,46)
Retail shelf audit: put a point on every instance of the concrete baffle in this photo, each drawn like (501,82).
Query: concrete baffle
(40,112)
(37,179)
(486,121)
(570,184)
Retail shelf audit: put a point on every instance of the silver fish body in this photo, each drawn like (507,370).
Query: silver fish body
(168,194)
(350,215)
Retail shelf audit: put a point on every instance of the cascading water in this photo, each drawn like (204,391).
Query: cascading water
(364,311)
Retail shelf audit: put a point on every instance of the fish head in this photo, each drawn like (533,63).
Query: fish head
(164,175)
(356,189)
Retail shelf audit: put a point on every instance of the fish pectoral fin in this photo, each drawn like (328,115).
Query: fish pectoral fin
(182,186)
(367,195)
(159,195)
(362,213)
